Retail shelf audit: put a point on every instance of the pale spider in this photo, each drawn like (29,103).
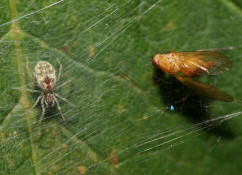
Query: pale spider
(45,76)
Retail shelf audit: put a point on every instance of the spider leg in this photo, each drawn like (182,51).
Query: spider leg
(63,84)
(43,110)
(29,72)
(46,104)
(24,89)
(60,69)
(53,103)
(65,100)
(37,101)
(59,108)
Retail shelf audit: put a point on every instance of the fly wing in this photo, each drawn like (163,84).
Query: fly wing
(204,89)
(204,62)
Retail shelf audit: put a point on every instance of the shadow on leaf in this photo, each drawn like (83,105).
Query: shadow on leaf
(176,95)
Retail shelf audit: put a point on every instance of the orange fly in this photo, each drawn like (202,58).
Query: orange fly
(192,64)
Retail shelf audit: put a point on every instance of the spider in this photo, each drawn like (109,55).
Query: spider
(45,76)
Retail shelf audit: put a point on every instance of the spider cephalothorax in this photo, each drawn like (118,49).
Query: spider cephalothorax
(49,98)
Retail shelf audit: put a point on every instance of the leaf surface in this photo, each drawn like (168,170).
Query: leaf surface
(123,123)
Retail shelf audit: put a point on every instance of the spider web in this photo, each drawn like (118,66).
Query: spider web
(130,117)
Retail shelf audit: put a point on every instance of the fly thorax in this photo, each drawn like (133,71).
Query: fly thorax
(170,64)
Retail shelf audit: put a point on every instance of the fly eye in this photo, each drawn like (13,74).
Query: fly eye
(154,61)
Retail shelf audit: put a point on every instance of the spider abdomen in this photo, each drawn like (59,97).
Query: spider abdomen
(45,75)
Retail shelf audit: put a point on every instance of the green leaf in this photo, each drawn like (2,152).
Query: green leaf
(123,123)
